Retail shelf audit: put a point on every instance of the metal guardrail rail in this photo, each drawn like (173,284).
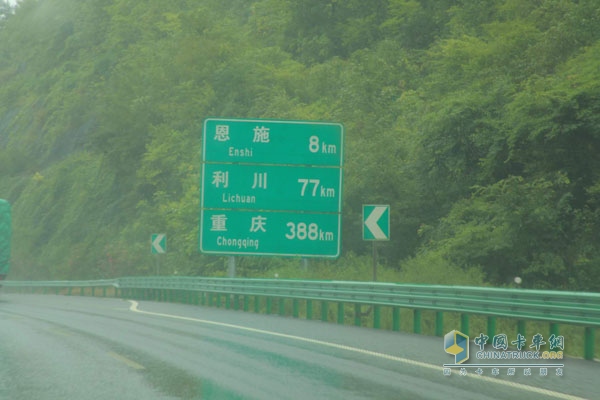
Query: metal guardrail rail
(554,307)
(62,284)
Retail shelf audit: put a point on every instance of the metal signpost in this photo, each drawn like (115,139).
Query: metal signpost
(271,188)
(158,245)
(376,227)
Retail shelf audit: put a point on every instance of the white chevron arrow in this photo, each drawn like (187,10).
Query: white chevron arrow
(156,243)
(372,222)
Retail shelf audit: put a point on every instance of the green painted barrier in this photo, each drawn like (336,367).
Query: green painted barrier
(525,306)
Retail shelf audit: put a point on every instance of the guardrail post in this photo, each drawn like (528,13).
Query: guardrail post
(464,324)
(417,321)
(588,352)
(324,311)
(246,302)
(396,319)
(357,321)
(227,301)
(256,304)
(309,309)
(295,308)
(521,328)
(281,302)
(491,326)
(269,304)
(554,329)
(439,323)
(376,316)
(340,315)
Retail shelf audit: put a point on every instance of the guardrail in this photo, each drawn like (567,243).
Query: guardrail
(553,307)
(58,286)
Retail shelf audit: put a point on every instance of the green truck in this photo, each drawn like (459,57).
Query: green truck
(5,231)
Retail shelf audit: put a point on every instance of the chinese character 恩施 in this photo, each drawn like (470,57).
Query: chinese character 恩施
(261,135)
(222,133)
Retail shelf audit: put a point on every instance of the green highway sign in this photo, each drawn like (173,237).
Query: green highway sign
(270,233)
(376,222)
(285,176)
(158,243)
(272,142)
(272,187)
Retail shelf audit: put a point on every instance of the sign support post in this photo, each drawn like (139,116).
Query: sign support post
(374,261)
(231,266)
(157,264)
(158,246)
(376,227)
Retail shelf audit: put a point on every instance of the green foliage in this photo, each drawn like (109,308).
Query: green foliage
(510,229)
(477,121)
(432,268)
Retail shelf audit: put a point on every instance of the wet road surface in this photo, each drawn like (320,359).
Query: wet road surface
(61,347)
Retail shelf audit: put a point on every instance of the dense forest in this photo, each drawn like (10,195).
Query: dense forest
(478,121)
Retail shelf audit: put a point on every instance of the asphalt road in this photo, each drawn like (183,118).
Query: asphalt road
(59,347)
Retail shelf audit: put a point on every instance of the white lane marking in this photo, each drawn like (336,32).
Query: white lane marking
(126,361)
(514,385)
